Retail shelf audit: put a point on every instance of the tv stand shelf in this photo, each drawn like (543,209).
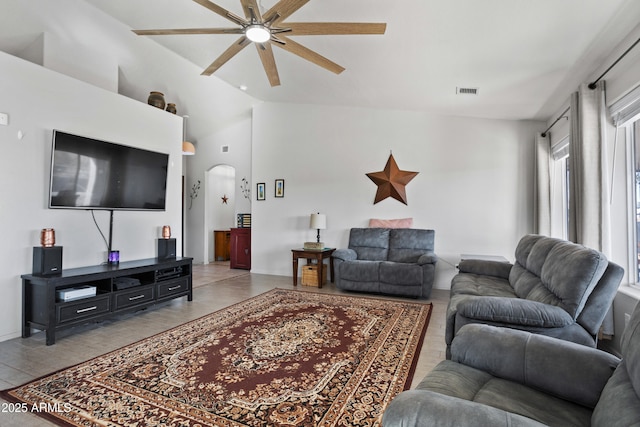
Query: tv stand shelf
(146,282)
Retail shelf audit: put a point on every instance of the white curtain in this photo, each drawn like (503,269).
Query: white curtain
(589,207)
(542,183)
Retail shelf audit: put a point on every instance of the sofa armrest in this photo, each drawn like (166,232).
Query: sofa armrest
(345,254)
(417,408)
(485,268)
(427,258)
(514,311)
(564,369)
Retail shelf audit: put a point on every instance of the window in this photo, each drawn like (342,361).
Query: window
(626,114)
(634,135)
(560,189)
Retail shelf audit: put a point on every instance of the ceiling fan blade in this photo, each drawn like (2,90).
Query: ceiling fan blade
(269,63)
(333,28)
(309,55)
(282,10)
(178,31)
(222,12)
(227,55)
(251,10)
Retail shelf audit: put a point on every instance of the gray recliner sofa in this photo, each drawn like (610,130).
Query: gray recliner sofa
(554,288)
(396,261)
(507,377)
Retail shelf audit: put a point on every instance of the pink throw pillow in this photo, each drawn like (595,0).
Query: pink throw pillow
(391,223)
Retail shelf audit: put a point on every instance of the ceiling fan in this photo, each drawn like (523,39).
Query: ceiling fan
(267,29)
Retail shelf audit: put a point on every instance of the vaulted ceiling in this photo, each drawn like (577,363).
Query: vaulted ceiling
(523,56)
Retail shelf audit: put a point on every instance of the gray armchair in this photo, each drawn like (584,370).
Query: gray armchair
(507,377)
(555,288)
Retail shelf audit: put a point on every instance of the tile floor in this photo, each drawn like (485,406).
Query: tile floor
(215,286)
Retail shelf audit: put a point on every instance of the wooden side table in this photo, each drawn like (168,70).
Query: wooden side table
(311,254)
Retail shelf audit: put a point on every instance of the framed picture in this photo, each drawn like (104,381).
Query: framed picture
(260,193)
(279,188)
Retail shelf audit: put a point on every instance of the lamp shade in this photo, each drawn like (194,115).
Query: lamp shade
(188,149)
(318,221)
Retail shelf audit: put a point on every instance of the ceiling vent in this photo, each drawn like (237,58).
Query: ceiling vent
(466,91)
(225,149)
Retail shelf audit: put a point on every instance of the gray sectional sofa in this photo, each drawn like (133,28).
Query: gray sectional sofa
(507,377)
(554,288)
(396,261)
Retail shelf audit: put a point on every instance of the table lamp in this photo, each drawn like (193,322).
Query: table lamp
(317,221)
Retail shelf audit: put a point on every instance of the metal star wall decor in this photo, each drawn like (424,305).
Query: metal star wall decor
(391,181)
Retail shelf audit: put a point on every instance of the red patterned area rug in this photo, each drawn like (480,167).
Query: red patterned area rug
(283,359)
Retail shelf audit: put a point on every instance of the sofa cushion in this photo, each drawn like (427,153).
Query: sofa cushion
(407,245)
(480,285)
(458,380)
(428,408)
(556,272)
(371,244)
(400,274)
(514,311)
(545,408)
(360,271)
(564,369)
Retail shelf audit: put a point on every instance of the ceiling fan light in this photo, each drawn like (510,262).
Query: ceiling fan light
(257,33)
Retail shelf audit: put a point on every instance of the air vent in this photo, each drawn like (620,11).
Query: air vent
(225,149)
(466,90)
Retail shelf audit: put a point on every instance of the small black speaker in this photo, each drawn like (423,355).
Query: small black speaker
(47,261)
(166,248)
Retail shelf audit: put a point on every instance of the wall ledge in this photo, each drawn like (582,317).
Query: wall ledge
(631,290)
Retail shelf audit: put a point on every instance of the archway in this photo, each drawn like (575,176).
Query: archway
(220,205)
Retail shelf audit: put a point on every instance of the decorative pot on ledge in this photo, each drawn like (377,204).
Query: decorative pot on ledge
(171,108)
(156,99)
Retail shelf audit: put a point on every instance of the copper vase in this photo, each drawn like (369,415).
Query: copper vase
(166,232)
(47,237)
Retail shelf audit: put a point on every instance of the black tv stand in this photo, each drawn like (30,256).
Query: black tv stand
(159,281)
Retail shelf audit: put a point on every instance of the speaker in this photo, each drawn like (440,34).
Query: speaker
(47,261)
(166,248)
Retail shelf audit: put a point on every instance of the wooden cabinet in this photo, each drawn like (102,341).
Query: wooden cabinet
(241,248)
(222,245)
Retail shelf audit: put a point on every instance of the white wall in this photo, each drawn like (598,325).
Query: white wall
(473,187)
(237,136)
(74,38)
(39,100)
(77,39)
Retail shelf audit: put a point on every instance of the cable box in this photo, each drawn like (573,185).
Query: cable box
(79,292)
(168,273)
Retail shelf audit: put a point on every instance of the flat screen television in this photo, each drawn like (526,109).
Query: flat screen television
(87,173)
